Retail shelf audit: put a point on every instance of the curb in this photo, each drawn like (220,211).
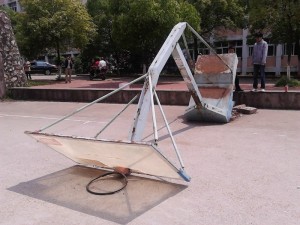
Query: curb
(263,100)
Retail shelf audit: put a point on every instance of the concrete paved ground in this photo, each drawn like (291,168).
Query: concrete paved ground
(243,172)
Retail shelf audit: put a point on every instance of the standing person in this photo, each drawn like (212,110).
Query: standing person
(259,57)
(68,69)
(102,64)
(237,80)
(27,70)
(103,68)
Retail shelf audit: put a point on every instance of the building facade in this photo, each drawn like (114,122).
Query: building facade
(277,53)
(13,4)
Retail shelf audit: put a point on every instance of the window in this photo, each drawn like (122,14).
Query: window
(271,50)
(203,51)
(40,63)
(285,50)
(220,50)
(222,47)
(13,6)
(251,50)
(239,51)
(239,42)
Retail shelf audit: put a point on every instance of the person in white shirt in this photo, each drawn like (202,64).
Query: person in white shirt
(102,64)
(27,70)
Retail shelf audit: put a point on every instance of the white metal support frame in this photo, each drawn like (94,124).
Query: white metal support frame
(146,104)
(170,47)
(154,71)
(187,75)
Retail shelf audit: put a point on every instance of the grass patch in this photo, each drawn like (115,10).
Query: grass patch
(7,97)
(284,81)
(32,83)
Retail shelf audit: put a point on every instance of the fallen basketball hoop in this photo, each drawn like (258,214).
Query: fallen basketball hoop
(146,158)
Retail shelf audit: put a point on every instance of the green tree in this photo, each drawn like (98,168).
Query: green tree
(102,16)
(220,13)
(144,27)
(10,13)
(281,18)
(139,27)
(53,24)
(229,14)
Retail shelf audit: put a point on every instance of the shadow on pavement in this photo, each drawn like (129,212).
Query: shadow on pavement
(67,188)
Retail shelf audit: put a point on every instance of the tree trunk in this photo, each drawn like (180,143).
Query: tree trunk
(116,57)
(288,69)
(2,81)
(58,60)
(298,68)
(288,72)
(297,51)
(144,68)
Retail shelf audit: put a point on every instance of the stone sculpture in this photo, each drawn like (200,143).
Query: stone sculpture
(12,65)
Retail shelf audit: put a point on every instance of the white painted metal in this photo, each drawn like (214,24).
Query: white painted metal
(120,153)
(169,47)
(94,102)
(141,158)
(186,48)
(116,116)
(151,89)
(187,74)
(169,130)
(154,71)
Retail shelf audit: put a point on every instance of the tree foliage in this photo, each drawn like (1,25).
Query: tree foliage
(137,27)
(102,17)
(280,16)
(220,13)
(53,24)
(147,23)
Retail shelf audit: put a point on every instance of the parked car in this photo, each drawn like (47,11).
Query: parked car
(43,67)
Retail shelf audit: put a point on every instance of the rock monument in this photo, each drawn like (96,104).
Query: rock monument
(12,65)
(2,81)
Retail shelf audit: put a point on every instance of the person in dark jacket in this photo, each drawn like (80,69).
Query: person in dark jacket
(68,68)
(237,80)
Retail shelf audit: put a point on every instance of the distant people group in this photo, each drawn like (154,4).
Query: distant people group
(99,68)
(99,63)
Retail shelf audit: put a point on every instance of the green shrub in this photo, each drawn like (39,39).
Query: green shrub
(284,81)
(62,60)
(32,83)
(78,64)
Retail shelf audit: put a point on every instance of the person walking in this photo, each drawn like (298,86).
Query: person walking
(27,70)
(68,69)
(259,57)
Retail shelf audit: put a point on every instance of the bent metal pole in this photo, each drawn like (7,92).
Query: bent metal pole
(116,116)
(93,102)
